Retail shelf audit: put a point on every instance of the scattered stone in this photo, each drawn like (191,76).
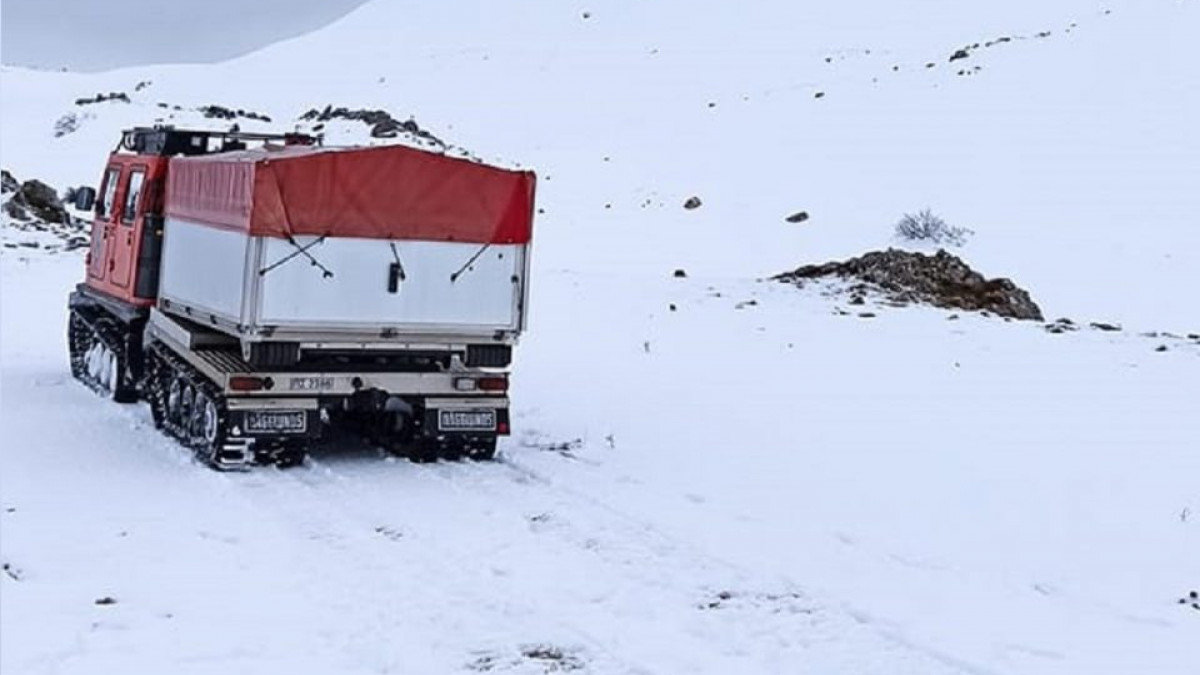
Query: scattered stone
(553,659)
(67,124)
(1061,325)
(952,317)
(1194,336)
(1160,348)
(746,303)
(941,280)
(223,113)
(1108,327)
(960,54)
(798,217)
(100,98)
(671,306)
(1192,599)
(931,64)
(692,203)
(866,315)
(819,94)
(680,274)
(106,600)
(382,124)
(857,300)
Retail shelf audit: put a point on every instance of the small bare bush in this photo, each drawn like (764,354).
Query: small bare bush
(928,226)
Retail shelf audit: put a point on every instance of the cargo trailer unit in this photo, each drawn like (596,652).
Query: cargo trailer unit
(260,298)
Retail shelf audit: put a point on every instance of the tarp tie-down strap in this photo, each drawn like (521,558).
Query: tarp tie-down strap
(399,265)
(454,277)
(300,251)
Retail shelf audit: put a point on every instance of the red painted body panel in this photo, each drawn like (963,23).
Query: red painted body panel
(118,220)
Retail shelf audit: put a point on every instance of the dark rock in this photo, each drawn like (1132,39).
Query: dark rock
(381,122)
(7,182)
(106,600)
(692,203)
(867,315)
(819,94)
(223,113)
(100,98)
(942,280)
(857,300)
(67,124)
(680,274)
(15,210)
(960,54)
(798,217)
(1160,348)
(1105,326)
(40,201)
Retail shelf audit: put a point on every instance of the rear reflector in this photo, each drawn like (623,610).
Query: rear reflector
(464,383)
(242,383)
(493,383)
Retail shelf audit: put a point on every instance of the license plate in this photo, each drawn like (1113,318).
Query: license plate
(466,420)
(276,421)
(310,384)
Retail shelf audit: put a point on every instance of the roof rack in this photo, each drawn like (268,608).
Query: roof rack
(168,141)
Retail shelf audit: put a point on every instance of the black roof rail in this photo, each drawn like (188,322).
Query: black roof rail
(168,141)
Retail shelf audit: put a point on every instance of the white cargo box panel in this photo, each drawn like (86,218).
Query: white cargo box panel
(347,245)
(351,288)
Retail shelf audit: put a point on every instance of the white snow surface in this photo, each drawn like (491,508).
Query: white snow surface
(697,482)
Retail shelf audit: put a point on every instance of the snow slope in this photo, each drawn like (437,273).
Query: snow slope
(783,486)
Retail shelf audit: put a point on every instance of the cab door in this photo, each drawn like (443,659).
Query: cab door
(103,225)
(123,251)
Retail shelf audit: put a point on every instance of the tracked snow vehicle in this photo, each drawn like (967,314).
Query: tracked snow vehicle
(261,291)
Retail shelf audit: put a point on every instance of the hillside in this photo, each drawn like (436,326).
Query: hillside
(711,472)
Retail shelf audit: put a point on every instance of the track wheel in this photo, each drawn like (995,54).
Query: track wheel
(204,427)
(157,384)
(79,338)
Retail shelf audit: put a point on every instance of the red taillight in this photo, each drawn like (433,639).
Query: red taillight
(502,428)
(493,383)
(243,383)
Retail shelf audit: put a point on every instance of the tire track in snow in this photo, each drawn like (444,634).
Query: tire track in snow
(614,576)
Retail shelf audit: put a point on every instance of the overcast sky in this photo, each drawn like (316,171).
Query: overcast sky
(104,34)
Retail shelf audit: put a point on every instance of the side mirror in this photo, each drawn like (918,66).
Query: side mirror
(84,198)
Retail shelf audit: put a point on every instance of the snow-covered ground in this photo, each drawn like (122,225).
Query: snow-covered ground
(781,485)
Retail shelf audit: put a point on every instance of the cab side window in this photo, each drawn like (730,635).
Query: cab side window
(109,192)
(133,196)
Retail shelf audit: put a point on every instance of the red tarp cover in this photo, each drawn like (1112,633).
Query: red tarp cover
(389,192)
